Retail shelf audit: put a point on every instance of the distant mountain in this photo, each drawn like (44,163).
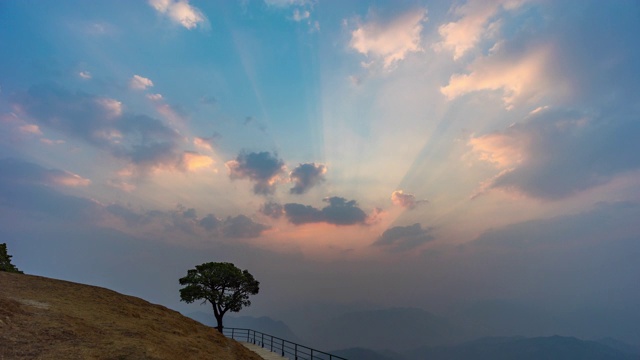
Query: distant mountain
(519,348)
(263,324)
(361,354)
(621,346)
(395,329)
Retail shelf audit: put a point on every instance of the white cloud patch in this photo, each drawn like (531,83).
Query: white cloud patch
(85,75)
(390,41)
(180,12)
(155,97)
(475,23)
(516,76)
(138,82)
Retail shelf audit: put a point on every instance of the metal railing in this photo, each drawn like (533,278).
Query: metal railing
(277,345)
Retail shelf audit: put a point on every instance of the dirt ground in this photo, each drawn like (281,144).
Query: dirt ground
(43,318)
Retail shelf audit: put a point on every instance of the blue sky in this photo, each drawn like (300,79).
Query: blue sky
(453,151)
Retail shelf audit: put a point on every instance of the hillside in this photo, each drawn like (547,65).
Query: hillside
(52,319)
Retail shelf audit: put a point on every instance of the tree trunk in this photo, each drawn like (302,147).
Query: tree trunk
(219,320)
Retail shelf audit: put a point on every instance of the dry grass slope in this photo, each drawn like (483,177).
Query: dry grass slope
(43,318)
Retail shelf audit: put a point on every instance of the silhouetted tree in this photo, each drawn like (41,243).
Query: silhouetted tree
(5,261)
(223,285)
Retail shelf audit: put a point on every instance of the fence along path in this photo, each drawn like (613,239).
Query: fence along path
(264,353)
(285,348)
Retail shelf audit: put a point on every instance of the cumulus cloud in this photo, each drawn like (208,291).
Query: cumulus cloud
(390,41)
(263,168)
(338,212)
(101,122)
(180,12)
(404,238)
(85,75)
(306,176)
(553,153)
(407,201)
(138,82)
(272,210)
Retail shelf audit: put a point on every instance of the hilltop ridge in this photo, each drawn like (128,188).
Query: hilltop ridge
(53,319)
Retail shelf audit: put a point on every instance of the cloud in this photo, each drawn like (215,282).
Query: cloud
(155,97)
(516,75)
(15,170)
(338,212)
(242,226)
(101,122)
(138,82)
(286,3)
(29,188)
(475,23)
(30,129)
(407,201)
(553,154)
(390,41)
(192,161)
(206,143)
(180,12)
(404,238)
(85,75)
(272,210)
(262,168)
(306,176)
(300,15)
(186,220)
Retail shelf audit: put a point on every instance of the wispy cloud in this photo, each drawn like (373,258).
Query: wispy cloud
(103,123)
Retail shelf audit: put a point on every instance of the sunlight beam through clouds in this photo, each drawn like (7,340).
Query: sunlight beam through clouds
(463,147)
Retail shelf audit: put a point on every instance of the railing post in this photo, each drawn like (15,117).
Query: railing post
(262,334)
(311,354)
(282,347)
(233,333)
(295,347)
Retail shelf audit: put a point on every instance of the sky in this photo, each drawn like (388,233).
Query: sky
(421,154)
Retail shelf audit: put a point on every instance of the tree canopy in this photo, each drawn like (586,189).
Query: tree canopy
(5,261)
(223,285)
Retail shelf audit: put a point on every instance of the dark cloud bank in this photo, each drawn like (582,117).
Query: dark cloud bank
(340,211)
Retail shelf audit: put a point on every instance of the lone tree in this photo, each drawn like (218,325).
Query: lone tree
(223,285)
(5,261)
